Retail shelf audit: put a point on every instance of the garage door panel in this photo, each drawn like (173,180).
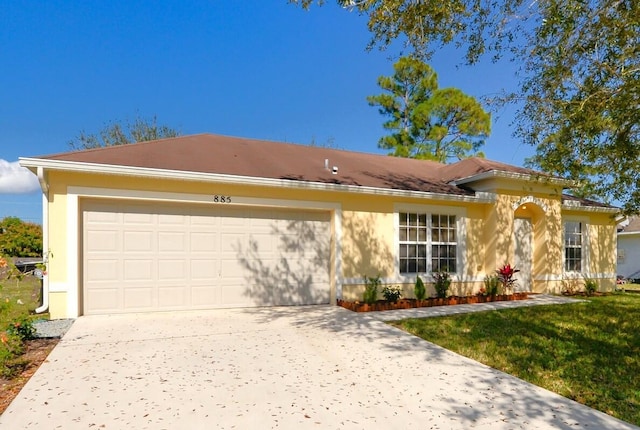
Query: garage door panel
(101,240)
(236,295)
(205,269)
(172,241)
(103,214)
(103,299)
(172,269)
(103,269)
(136,298)
(173,297)
(171,220)
(137,216)
(204,242)
(162,257)
(138,241)
(231,242)
(204,296)
(139,270)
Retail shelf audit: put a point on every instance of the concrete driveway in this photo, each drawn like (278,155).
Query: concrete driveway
(315,367)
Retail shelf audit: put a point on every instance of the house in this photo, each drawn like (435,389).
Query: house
(629,249)
(208,221)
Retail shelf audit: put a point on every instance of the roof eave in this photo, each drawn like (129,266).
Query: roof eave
(145,172)
(600,209)
(629,233)
(494,174)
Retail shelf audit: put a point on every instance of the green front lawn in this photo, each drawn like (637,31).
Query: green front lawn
(588,352)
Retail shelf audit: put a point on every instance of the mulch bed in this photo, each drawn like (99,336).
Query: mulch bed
(383,305)
(37,351)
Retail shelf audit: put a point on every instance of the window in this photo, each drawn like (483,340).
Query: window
(413,243)
(443,243)
(573,246)
(427,242)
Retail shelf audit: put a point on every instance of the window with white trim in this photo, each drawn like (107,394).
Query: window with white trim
(573,246)
(427,243)
(443,243)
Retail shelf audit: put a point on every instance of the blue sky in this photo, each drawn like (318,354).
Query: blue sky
(259,69)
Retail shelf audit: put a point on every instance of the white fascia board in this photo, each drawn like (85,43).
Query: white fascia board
(581,208)
(629,233)
(145,172)
(491,174)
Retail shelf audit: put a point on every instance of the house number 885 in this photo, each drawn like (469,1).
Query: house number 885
(221,199)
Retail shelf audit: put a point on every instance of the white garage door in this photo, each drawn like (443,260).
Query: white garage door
(153,257)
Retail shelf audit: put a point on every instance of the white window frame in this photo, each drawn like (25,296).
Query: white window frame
(429,210)
(584,255)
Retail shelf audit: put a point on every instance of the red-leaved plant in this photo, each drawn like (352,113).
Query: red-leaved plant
(505,275)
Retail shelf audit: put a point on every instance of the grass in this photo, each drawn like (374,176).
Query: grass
(25,291)
(588,352)
(630,287)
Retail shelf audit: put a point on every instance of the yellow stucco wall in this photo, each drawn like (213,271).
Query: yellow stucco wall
(367,243)
(58,305)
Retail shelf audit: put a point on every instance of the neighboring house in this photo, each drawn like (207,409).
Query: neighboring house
(629,249)
(206,221)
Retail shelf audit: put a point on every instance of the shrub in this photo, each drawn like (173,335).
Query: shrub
(590,286)
(11,347)
(371,289)
(419,290)
(570,287)
(442,283)
(505,276)
(23,328)
(391,294)
(491,285)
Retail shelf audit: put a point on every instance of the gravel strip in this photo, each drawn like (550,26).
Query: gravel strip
(49,329)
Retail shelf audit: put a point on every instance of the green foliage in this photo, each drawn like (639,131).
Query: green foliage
(371,286)
(19,238)
(427,122)
(506,278)
(579,70)
(491,285)
(587,351)
(584,83)
(23,328)
(116,133)
(442,283)
(14,318)
(11,347)
(391,294)
(590,286)
(419,290)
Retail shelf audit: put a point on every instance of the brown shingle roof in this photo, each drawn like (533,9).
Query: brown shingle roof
(584,202)
(474,166)
(215,154)
(633,226)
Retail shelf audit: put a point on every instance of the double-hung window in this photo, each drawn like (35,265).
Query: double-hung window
(427,242)
(573,246)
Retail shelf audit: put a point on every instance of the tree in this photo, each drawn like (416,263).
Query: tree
(116,133)
(19,238)
(579,75)
(582,98)
(428,122)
